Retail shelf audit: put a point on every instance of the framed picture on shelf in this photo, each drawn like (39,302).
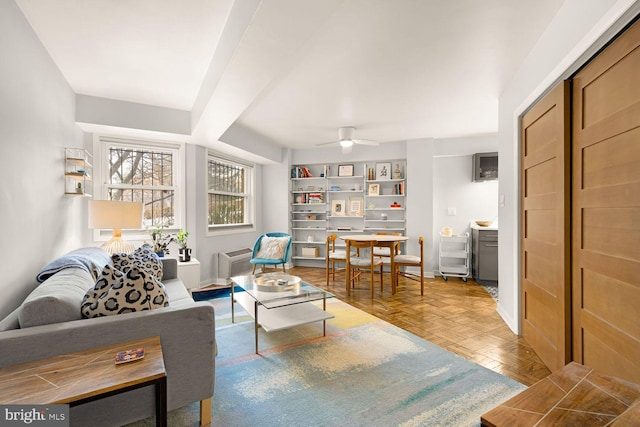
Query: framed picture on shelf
(338,208)
(355,205)
(345,170)
(383,171)
(374,190)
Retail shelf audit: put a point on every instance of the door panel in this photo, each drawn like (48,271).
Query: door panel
(606,210)
(545,271)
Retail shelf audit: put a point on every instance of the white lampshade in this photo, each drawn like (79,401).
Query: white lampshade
(115,215)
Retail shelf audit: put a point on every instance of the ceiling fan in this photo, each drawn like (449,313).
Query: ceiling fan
(346,139)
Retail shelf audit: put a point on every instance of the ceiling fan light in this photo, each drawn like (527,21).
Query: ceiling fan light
(346,143)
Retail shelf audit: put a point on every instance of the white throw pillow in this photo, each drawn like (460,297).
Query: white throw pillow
(272,247)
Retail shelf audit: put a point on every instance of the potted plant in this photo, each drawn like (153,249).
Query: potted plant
(159,240)
(185,252)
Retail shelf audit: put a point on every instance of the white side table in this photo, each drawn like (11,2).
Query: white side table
(189,273)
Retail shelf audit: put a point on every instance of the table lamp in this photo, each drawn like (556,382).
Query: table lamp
(115,215)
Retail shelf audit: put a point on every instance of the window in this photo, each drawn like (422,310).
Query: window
(141,171)
(230,195)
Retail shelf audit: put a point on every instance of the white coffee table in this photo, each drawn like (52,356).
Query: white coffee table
(279,309)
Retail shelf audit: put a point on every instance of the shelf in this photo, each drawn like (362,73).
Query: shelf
(454,254)
(347,190)
(78,172)
(382,181)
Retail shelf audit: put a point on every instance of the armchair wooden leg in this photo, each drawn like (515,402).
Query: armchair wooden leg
(205,412)
(254,269)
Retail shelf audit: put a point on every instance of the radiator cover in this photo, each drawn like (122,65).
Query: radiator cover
(234,263)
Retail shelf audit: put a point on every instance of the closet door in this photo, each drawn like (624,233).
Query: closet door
(606,210)
(544,240)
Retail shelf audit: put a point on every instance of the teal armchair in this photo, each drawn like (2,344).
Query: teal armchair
(271,249)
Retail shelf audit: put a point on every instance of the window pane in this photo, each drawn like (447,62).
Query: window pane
(228,193)
(225,209)
(140,167)
(158,206)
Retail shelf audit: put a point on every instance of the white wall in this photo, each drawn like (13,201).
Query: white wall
(37,110)
(438,174)
(453,188)
(579,26)
(440,177)
(208,246)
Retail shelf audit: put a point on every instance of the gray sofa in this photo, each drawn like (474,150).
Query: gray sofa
(186,330)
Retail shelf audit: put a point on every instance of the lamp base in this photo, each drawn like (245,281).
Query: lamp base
(117,245)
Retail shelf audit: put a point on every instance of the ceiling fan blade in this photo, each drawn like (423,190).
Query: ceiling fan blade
(365,142)
(328,143)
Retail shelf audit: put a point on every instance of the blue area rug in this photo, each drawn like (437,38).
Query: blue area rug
(365,372)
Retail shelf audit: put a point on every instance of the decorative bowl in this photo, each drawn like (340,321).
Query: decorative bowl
(484,223)
(277,282)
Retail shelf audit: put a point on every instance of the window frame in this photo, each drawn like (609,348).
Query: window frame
(250,184)
(101,146)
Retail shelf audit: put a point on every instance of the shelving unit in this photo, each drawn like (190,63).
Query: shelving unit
(454,256)
(78,172)
(346,208)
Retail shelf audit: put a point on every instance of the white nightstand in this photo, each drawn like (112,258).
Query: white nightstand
(189,273)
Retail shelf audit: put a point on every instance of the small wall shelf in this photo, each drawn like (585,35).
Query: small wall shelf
(78,172)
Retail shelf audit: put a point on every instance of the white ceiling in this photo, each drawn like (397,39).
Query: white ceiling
(294,71)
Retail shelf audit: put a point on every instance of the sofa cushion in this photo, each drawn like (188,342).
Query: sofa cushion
(57,299)
(116,292)
(143,257)
(272,247)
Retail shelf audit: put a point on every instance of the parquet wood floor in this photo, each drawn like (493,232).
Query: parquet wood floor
(460,317)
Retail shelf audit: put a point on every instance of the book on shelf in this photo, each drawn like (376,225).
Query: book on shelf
(301,172)
(344,228)
(314,198)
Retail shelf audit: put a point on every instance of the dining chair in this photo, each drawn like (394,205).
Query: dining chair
(411,261)
(332,256)
(358,262)
(385,251)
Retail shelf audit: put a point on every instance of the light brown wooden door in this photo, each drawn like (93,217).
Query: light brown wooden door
(606,210)
(545,213)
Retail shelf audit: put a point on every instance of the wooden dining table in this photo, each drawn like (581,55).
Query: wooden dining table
(383,241)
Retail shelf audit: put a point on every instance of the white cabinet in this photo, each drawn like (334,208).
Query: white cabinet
(189,273)
(454,256)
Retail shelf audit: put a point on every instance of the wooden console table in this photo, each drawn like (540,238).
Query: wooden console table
(85,376)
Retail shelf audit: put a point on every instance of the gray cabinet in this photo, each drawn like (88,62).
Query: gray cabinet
(485,256)
(485,167)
